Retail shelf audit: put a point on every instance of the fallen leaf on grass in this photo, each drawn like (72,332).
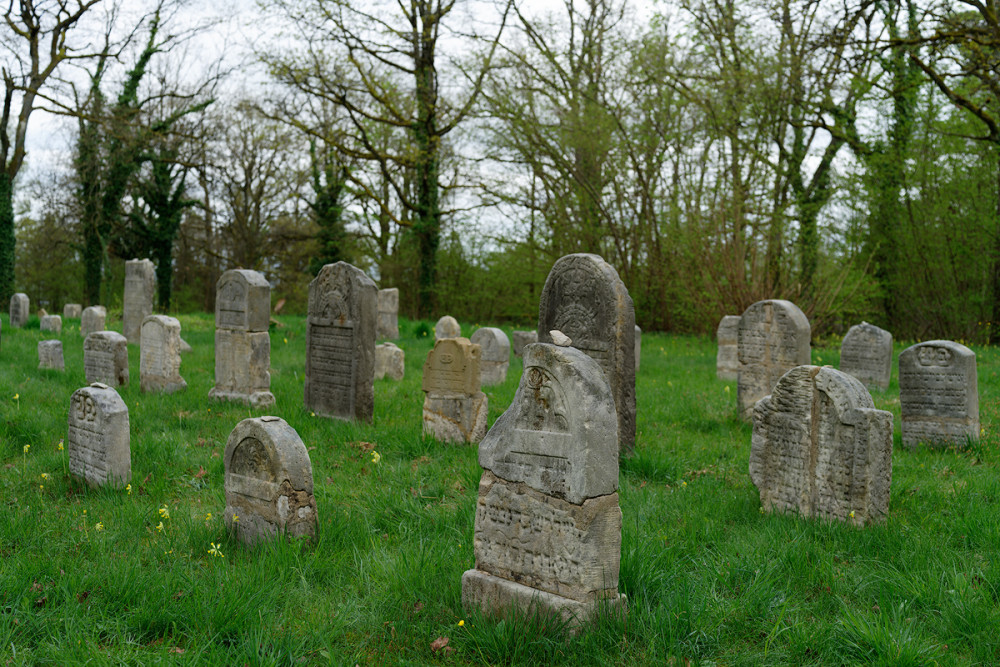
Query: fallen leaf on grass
(201,473)
(439,643)
(418,605)
(415,463)
(40,602)
(362,447)
(175,649)
(81,597)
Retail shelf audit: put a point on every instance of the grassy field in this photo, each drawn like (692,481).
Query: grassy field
(87,576)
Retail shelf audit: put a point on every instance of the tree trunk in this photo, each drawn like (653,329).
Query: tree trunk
(7,241)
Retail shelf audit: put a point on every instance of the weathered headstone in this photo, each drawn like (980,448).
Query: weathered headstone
(269,482)
(548,523)
(42,313)
(20,307)
(821,449)
(866,353)
(51,323)
(938,394)
(50,355)
(521,338)
(638,347)
(447,327)
(585,299)
(72,311)
(454,408)
(242,341)
(388,314)
(773,339)
(340,343)
(389,362)
(105,358)
(140,285)
(494,357)
(93,319)
(727,361)
(98,440)
(160,355)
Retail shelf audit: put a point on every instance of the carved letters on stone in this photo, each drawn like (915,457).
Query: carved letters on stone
(938,394)
(98,441)
(866,353)
(773,339)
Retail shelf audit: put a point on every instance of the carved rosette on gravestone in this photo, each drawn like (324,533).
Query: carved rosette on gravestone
(447,327)
(821,449)
(105,358)
(72,311)
(340,343)
(50,355)
(140,284)
(98,440)
(494,357)
(93,319)
(548,523)
(727,362)
(52,323)
(454,408)
(938,394)
(160,355)
(773,339)
(19,310)
(242,342)
(866,353)
(585,299)
(388,314)
(390,362)
(638,347)
(269,482)
(521,338)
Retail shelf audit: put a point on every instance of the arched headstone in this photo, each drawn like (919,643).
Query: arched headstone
(20,307)
(160,355)
(494,355)
(454,408)
(773,339)
(105,358)
(938,394)
(866,353)
(98,441)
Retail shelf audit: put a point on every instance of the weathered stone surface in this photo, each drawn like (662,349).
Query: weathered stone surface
(821,449)
(727,362)
(773,339)
(494,357)
(521,338)
(93,319)
(454,408)
(340,343)
(638,347)
(160,355)
(390,362)
(20,308)
(559,338)
(105,358)
(42,313)
(242,301)
(269,482)
(51,323)
(456,419)
(866,353)
(388,314)
(72,311)
(447,327)
(938,394)
(585,299)
(140,285)
(98,440)
(50,355)
(242,341)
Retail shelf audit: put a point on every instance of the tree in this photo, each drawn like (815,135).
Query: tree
(329,180)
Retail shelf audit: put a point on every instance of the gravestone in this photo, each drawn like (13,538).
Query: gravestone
(269,482)
(50,355)
(72,311)
(548,523)
(242,341)
(494,357)
(585,299)
(447,327)
(638,347)
(340,343)
(866,353)
(98,441)
(388,314)
(454,408)
(390,362)
(938,394)
(105,358)
(727,361)
(20,308)
(773,339)
(93,319)
(521,338)
(160,355)
(821,449)
(51,323)
(140,284)
(42,313)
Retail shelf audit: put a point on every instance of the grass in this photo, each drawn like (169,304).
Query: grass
(710,580)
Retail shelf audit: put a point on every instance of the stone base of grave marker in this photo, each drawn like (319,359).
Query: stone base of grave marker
(456,419)
(390,362)
(50,355)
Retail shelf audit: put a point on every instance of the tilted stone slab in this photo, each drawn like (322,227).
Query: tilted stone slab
(105,358)
(93,319)
(866,353)
(938,394)
(494,357)
(447,327)
(773,339)
(98,441)
(20,308)
(140,286)
(50,355)
(160,355)
(388,314)
(727,364)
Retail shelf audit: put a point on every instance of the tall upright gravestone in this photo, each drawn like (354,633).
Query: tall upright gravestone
(388,314)
(585,299)
(454,408)
(50,355)
(495,355)
(340,343)
(548,523)
(773,339)
(938,393)
(98,441)
(727,364)
(94,318)
(105,358)
(242,341)
(140,284)
(20,307)
(866,353)
(160,355)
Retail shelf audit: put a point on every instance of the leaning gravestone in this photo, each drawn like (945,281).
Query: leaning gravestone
(773,339)
(160,355)
(548,523)
(51,323)
(242,341)
(71,311)
(727,362)
(938,394)
(866,353)
(340,343)
(19,310)
(390,362)
(585,299)
(494,357)
(447,327)
(98,440)
(821,449)
(93,319)
(140,284)
(521,338)
(50,355)
(269,482)
(105,358)
(454,408)
(388,314)
(638,347)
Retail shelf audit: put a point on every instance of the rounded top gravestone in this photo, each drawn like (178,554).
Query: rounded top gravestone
(447,327)
(242,301)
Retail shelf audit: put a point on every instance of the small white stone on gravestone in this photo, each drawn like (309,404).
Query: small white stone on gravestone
(494,357)
(105,358)
(559,338)
(20,307)
(160,355)
(390,362)
(773,339)
(50,355)
(938,394)
(51,323)
(866,353)
(455,410)
(98,441)
(94,318)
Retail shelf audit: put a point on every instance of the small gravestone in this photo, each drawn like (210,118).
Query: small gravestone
(72,311)
(340,343)
(52,323)
(454,408)
(585,299)
(390,362)
(521,338)
(388,314)
(447,327)
(50,355)
(638,347)
(98,440)
(105,358)
(269,482)
(494,357)
(160,355)
(93,319)
(727,362)
(42,313)
(938,394)
(548,522)
(140,284)
(821,449)
(242,342)
(866,353)
(19,310)
(773,339)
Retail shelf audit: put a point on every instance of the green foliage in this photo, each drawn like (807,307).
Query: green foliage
(329,178)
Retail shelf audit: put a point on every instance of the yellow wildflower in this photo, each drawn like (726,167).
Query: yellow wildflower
(236,518)
(45,475)
(851,515)
(164,512)
(159,527)
(461,623)
(376,457)
(286,341)
(99,526)
(26,448)
(215,550)
(208,517)
(16,396)
(128,487)
(59,447)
